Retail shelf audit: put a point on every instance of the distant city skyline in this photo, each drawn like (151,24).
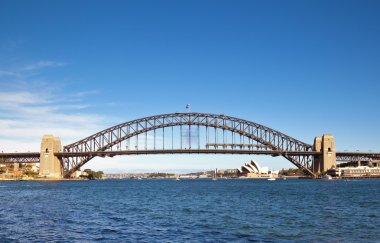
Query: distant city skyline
(72,69)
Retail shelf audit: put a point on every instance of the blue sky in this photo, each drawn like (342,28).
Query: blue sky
(302,67)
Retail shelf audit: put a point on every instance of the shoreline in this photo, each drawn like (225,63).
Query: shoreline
(44,179)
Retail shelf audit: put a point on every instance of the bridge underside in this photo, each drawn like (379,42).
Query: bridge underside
(34,157)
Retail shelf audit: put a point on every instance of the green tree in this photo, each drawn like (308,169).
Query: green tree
(92,175)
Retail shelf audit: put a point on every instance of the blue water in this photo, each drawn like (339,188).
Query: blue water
(201,210)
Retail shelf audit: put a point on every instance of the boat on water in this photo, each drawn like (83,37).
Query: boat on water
(327,177)
(215,174)
(271,178)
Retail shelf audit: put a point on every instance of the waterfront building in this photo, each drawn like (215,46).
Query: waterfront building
(356,169)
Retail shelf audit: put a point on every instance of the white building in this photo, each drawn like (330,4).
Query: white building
(78,174)
(253,169)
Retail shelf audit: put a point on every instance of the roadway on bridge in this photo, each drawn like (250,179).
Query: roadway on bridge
(5,157)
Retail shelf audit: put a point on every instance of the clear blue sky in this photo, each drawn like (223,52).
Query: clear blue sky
(302,67)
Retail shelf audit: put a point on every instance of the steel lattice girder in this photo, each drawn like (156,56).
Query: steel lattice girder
(28,157)
(110,137)
(357,156)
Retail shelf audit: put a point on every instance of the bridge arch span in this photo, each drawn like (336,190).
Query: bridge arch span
(264,137)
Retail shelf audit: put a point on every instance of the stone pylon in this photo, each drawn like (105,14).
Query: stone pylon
(318,160)
(50,165)
(327,160)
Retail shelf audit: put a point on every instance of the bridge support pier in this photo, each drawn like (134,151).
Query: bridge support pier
(327,160)
(50,165)
(16,166)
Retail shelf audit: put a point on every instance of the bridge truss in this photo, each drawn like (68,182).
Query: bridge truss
(28,157)
(357,156)
(191,133)
(187,133)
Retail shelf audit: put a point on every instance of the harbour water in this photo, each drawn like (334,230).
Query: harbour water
(200,210)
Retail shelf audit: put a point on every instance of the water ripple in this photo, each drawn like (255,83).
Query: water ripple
(190,211)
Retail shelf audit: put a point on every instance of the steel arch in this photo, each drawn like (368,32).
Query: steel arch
(106,139)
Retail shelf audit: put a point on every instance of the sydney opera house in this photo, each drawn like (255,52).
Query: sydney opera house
(253,170)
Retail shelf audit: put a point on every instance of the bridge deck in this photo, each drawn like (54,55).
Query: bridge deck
(27,157)
(20,155)
(33,157)
(185,151)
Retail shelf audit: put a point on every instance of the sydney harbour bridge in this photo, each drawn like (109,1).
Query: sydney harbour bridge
(185,133)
